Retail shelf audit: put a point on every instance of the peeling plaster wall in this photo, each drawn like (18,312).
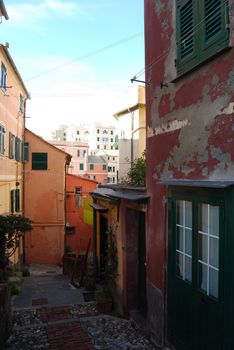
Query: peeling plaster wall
(190,126)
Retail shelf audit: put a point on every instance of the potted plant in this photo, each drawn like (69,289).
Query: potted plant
(103,301)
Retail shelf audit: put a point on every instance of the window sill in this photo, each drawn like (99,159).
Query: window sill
(202,63)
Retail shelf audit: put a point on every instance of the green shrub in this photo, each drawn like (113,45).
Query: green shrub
(25,272)
(13,288)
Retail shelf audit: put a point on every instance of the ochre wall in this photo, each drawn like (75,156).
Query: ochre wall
(79,216)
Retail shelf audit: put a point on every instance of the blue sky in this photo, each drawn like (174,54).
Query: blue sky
(76,57)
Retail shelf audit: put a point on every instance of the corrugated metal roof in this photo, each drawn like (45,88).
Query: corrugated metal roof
(116,195)
(98,207)
(198,183)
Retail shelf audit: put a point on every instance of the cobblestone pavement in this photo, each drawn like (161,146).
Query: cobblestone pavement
(75,327)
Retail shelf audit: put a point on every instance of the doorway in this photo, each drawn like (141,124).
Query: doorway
(195,274)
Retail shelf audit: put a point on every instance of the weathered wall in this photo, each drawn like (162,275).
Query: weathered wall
(190,125)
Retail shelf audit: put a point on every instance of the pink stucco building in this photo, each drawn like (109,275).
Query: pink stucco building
(44,193)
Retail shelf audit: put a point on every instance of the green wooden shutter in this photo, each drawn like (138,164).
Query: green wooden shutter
(187,34)
(17,149)
(215,31)
(11,146)
(25,151)
(17,200)
(12,201)
(39,161)
(186,19)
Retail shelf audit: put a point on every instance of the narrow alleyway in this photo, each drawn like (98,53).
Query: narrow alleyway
(49,313)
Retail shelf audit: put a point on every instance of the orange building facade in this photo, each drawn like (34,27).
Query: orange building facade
(44,176)
(79,214)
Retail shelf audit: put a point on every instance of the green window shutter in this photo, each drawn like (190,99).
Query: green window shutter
(17,149)
(81,166)
(25,151)
(91,166)
(202,31)
(215,31)
(39,161)
(186,20)
(11,146)
(104,167)
(12,201)
(17,200)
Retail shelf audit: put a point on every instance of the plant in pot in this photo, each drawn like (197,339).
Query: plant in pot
(104,296)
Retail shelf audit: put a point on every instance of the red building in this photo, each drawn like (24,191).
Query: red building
(79,214)
(190,163)
(97,169)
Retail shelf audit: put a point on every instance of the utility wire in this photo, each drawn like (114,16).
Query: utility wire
(197,27)
(92,53)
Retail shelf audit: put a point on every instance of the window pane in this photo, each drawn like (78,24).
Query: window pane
(202,278)
(214,283)
(203,248)
(188,214)
(180,239)
(203,224)
(179,212)
(214,221)
(214,252)
(188,241)
(179,265)
(188,269)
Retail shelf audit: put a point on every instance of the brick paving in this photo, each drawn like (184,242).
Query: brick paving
(68,336)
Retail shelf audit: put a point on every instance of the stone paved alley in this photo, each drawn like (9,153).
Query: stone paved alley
(49,313)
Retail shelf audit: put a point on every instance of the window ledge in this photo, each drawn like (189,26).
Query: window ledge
(192,69)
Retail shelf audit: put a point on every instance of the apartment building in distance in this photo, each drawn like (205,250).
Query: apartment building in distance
(79,153)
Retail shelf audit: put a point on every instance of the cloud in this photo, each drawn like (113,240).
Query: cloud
(29,13)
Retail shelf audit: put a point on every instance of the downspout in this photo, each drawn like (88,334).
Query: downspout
(67,162)
(132,129)
(94,241)
(23,177)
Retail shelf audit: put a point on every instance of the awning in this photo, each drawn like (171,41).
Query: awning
(98,207)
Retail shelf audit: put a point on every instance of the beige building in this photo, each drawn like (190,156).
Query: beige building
(132,132)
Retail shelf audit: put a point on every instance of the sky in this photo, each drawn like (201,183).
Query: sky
(76,58)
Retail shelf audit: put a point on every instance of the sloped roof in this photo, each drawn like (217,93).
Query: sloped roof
(10,59)
(96,159)
(110,194)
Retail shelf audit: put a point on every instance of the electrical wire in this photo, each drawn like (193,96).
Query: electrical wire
(92,53)
(197,28)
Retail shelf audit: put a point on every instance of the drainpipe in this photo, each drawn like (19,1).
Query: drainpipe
(23,177)
(67,162)
(94,241)
(132,129)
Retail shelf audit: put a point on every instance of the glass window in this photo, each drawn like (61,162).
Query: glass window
(208,249)
(184,239)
